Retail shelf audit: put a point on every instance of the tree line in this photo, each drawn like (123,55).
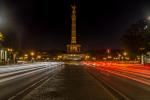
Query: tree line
(136,40)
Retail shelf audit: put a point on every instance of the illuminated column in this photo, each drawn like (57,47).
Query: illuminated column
(73,47)
(73,27)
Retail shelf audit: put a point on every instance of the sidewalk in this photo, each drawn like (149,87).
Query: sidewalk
(71,83)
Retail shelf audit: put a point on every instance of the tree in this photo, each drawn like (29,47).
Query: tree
(1,39)
(11,41)
(137,38)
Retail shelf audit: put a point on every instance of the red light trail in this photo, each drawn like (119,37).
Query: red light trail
(136,72)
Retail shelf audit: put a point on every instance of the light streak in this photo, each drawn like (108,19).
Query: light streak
(136,72)
(17,71)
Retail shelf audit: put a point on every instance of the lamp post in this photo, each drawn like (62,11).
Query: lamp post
(39,57)
(10,53)
(125,55)
(142,55)
(26,57)
(1,37)
(119,56)
(32,54)
(108,54)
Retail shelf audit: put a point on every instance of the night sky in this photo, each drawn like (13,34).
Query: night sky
(45,24)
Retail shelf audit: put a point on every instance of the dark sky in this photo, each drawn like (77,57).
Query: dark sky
(45,24)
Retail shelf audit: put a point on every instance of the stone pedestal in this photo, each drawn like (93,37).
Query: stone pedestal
(73,48)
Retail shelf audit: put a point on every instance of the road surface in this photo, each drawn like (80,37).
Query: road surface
(15,79)
(75,81)
(126,81)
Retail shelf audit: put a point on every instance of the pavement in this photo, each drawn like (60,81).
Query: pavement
(72,82)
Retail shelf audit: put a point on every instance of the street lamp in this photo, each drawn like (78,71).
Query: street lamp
(1,37)
(148,17)
(39,57)
(10,49)
(119,56)
(25,56)
(142,55)
(108,51)
(87,57)
(125,53)
(10,54)
(32,54)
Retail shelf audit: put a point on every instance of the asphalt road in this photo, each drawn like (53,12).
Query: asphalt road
(15,81)
(125,87)
(73,82)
